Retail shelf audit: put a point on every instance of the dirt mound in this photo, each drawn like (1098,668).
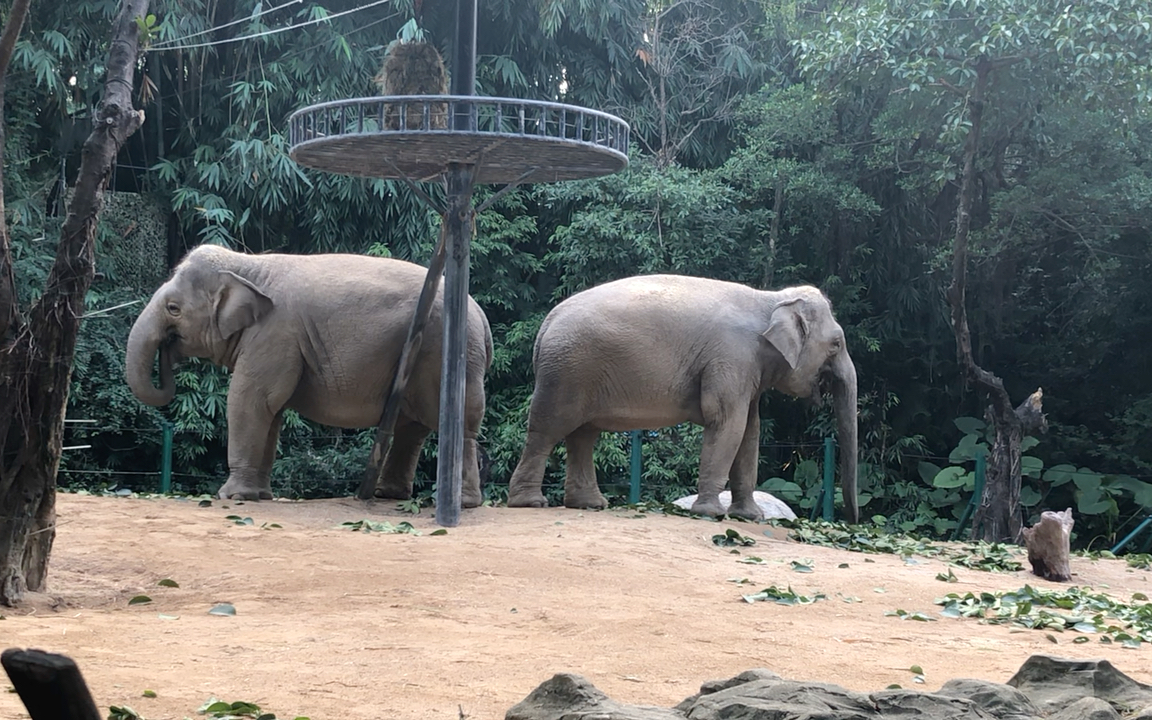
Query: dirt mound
(332,623)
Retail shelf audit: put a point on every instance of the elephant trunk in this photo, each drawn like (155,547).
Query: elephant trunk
(844,397)
(144,342)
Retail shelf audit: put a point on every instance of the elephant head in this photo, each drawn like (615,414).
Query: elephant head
(199,312)
(803,330)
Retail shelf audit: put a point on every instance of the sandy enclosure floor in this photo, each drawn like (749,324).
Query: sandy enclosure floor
(337,624)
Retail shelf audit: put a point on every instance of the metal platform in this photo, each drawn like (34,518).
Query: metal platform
(418,136)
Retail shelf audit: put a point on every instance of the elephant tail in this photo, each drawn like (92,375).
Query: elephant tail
(488,350)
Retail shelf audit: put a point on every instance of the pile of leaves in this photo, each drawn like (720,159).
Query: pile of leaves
(371,526)
(1077,609)
(782,596)
(868,539)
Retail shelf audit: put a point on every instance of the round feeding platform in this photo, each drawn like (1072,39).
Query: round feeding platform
(416,137)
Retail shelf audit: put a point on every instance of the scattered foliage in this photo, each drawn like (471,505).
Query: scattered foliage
(870,539)
(732,538)
(371,526)
(782,596)
(1075,608)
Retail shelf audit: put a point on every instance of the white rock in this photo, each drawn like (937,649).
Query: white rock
(770,505)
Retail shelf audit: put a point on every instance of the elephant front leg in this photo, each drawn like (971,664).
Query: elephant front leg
(742,478)
(580,487)
(253,432)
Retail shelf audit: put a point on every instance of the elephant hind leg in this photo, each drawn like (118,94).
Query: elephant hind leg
(395,481)
(580,487)
(725,428)
(524,487)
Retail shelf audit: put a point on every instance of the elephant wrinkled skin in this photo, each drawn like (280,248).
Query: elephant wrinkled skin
(652,351)
(319,334)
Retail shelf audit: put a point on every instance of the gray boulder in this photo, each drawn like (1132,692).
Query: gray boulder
(571,697)
(999,701)
(1054,683)
(1044,687)
(1087,708)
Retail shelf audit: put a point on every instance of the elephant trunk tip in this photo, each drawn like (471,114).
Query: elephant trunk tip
(145,343)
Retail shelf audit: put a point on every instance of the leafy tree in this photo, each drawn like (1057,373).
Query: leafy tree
(36,364)
(976,57)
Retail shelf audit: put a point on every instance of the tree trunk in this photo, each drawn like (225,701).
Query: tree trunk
(997,518)
(9,312)
(36,364)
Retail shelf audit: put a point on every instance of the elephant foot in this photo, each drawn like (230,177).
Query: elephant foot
(746,510)
(390,492)
(471,500)
(585,501)
(240,490)
(527,499)
(710,507)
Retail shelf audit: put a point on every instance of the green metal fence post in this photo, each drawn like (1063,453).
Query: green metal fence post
(829,477)
(977,494)
(166,460)
(634,489)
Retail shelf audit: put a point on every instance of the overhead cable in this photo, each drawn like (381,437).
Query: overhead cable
(273,31)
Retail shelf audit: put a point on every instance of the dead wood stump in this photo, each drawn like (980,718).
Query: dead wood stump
(1048,543)
(50,685)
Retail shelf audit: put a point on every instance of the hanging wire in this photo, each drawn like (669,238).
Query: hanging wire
(264,33)
(162,43)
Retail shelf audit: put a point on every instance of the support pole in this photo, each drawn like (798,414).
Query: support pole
(637,457)
(829,478)
(166,460)
(404,367)
(450,457)
(459,222)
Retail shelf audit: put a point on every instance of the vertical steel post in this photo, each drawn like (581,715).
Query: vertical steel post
(829,478)
(166,459)
(634,486)
(450,449)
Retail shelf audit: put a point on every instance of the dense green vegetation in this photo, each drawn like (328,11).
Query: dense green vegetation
(775,143)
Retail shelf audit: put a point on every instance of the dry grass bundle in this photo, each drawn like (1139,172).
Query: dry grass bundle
(414,68)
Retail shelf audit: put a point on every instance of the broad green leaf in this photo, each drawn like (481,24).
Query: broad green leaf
(928,471)
(970,425)
(950,477)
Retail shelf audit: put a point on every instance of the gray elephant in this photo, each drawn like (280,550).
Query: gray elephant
(652,351)
(319,334)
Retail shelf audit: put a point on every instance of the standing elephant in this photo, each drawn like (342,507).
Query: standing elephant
(652,351)
(319,334)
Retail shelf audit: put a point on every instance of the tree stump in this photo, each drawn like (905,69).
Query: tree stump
(50,685)
(1048,543)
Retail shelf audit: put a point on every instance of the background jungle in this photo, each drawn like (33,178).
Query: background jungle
(757,158)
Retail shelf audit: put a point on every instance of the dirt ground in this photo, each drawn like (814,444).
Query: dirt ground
(337,624)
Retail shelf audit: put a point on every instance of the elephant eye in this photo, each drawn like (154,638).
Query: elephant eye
(173,309)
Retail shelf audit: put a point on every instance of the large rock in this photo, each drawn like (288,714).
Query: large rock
(1055,683)
(772,506)
(1044,687)
(781,700)
(999,701)
(1087,708)
(571,697)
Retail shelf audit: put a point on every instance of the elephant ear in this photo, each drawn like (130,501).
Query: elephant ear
(239,304)
(787,331)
